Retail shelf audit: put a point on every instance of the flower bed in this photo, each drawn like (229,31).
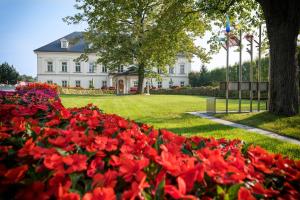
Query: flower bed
(51,152)
(90,91)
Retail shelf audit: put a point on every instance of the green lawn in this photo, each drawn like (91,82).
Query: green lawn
(168,111)
(288,126)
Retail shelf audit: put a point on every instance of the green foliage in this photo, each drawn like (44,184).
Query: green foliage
(26,78)
(217,75)
(8,74)
(245,15)
(146,33)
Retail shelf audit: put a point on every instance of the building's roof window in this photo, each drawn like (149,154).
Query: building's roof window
(64,44)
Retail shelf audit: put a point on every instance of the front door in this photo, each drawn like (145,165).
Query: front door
(121,87)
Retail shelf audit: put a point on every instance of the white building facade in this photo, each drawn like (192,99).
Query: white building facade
(56,64)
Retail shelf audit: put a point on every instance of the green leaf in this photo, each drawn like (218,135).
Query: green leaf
(220,190)
(186,151)
(159,193)
(61,151)
(158,142)
(146,195)
(228,153)
(115,134)
(245,148)
(11,152)
(75,177)
(201,145)
(233,191)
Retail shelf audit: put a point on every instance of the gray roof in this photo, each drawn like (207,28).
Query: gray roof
(76,44)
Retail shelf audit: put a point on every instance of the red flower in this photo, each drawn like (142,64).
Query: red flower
(132,168)
(33,191)
(96,164)
(179,193)
(64,195)
(54,162)
(109,179)
(136,190)
(101,193)
(16,174)
(65,114)
(245,194)
(75,162)
(259,189)
(27,148)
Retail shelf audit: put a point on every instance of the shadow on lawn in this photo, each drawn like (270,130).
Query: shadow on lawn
(201,129)
(185,124)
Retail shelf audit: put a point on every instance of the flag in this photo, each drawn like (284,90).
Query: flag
(227,24)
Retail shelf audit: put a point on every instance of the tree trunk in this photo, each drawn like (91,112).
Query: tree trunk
(141,76)
(282,20)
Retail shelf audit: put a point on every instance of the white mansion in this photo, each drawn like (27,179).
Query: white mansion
(56,65)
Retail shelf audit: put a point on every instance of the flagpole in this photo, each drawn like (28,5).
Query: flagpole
(227,61)
(227,71)
(240,74)
(259,69)
(251,73)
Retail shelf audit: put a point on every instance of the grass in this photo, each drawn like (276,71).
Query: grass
(169,111)
(288,126)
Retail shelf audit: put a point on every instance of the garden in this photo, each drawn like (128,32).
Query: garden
(51,151)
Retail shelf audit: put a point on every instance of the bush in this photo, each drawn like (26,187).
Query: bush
(52,152)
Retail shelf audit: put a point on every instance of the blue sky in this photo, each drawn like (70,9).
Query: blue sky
(29,24)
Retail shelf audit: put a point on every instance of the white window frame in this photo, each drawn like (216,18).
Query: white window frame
(91,83)
(135,83)
(50,82)
(77,66)
(64,44)
(159,71)
(49,65)
(64,83)
(64,66)
(159,84)
(92,67)
(120,69)
(171,70)
(104,83)
(77,83)
(182,68)
(182,83)
(104,69)
(171,84)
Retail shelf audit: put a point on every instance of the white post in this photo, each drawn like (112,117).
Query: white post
(148,87)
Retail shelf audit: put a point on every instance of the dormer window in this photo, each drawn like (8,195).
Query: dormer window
(64,44)
(120,69)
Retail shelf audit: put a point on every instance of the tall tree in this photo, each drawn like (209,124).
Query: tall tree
(282,20)
(8,74)
(283,23)
(146,33)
